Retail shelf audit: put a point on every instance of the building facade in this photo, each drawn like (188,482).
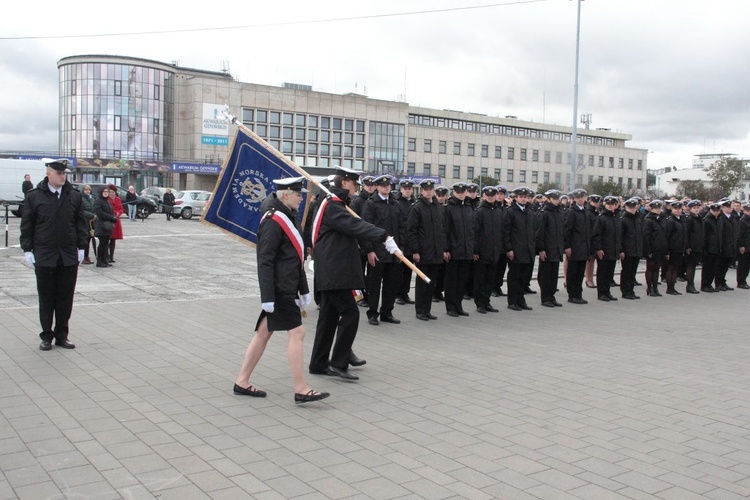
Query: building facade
(155,123)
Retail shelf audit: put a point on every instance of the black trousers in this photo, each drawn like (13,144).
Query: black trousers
(530,272)
(653,265)
(499,273)
(708,273)
(627,275)
(404,284)
(576,274)
(456,281)
(439,279)
(423,291)
(484,282)
(691,262)
(722,267)
(674,266)
(385,275)
(743,267)
(102,251)
(605,274)
(517,275)
(547,278)
(56,287)
(338,317)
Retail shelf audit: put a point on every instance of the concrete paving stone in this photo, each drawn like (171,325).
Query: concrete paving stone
(601,467)
(642,482)
(17,460)
(677,493)
(189,465)
(24,476)
(75,476)
(103,461)
(601,481)
(145,463)
(187,492)
(36,491)
(11,445)
(171,450)
(120,478)
(721,494)
(210,480)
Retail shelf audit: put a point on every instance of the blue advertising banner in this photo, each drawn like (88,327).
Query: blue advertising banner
(245,180)
(195,168)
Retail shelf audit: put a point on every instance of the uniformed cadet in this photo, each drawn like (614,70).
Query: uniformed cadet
(425,229)
(728,251)
(577,246)
(518,238)
(405,200)
(677,244)
(502,263)
(592,211)
(550,244)
(743,248)
(383,269)
(711,247)
(357,205)
(655,246)
(632,248)
(441,195)
(694,253)
(459,234)
(607,243)
(472,195)
(488,247)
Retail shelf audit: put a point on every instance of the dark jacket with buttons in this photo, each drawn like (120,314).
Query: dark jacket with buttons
(631,226)
(518,234)
(425,230)
(711,234)
(385,214)
(728,236)
(743,234)
(578,233)
(677,241)
(550,236)
(694,228)
(654,235)
(488,220)
(459,228)
(608,235)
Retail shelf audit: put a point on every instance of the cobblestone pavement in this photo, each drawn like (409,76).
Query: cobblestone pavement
(631,399)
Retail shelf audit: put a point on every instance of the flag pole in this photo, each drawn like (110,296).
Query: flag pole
(233,119)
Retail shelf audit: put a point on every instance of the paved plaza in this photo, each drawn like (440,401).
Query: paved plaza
(631,399)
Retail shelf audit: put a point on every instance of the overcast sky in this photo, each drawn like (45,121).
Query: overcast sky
(672,73)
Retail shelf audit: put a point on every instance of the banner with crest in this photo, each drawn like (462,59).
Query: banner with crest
(245,180)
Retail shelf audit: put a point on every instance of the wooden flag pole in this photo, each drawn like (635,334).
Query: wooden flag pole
(310,178)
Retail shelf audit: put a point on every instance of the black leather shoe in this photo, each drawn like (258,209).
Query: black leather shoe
(400,301)
(500,293)
(46,345)
(345,374)
(423,317)
(482,310)
(373,321)
(101,265)
(65,344)
(363,303)
(547,303)
(673,292)
(526,307)
(390,319)
(637,283)
(452,314)
(430,316)
(576,300)
(462,313)
(556,303)
(309,397)
(324,372)
(495,294)
(529,291)
(628,297)
(603,298)
(438,297)
(250,391)
(355,361)
(491,309)
(514,307)
(612,297)
(707,289)
(407,300)
(744,286)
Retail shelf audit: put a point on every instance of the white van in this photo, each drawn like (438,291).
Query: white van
(12,173)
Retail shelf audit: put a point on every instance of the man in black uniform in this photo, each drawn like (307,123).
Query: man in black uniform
(405,200)
(655,246)
(441,195)
(488,247)
(632,248)
(425,230)
(728,251)
(694,252)
(577,246)
(550,244)
(518,238)
(677,244)
(592,210)
(607,243)
(53,237)
(357,204)
(338,275)
(459,232)
(743,248)
(711,247)
(502,263)
(383,269)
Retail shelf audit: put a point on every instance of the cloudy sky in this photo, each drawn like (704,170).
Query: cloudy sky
(672,73)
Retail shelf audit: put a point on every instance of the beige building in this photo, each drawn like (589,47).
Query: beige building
(155,123)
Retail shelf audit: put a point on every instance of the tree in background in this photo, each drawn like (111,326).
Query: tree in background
(485,180)
(546,186)
(699,190)
(604,188)
(726,174)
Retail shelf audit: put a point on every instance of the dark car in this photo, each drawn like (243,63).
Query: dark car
(145,206)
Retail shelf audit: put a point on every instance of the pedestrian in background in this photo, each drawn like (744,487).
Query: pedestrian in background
(88,210)
(26,185)
(103,226)
(130,200)
(168,201)
(53,238)
(117,233)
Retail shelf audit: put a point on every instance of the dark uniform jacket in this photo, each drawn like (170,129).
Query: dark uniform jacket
(425,231)
(280,271)
(358,202)
(654,235)
(743,233)
(728,236)
(337,263)
(711,234)
(518,234)
(405,204)
(550,237)
(385,214)
(578,233)
(53,229)
(694,228)
(488,220)
(104,212)
(459,228)
(677,240)
(631,226)
(608,235)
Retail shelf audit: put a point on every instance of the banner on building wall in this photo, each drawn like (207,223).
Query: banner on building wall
(214,122)
(196,168)
(246,179)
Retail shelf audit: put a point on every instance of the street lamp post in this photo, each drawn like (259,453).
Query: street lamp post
(574,135)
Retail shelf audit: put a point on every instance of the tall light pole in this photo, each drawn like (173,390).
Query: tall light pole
(574,135)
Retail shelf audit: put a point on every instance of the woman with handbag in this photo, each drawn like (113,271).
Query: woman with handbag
(88,210)
(103,226)
(117,234)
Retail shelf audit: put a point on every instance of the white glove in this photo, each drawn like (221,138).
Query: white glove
(30,260)
(80,255)
(390,245)
(304,301)
(267,306)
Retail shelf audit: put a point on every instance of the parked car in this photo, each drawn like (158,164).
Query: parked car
(156,193)
(145,205)
(189,203)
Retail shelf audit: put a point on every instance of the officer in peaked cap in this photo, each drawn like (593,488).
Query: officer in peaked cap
(550,244)
(498,275)
(358,204)
(607,244)
(459,231)
(655,245)
(578,193)
(743,248)
(291,183)
(592,212)
(631,226)
(577,246)
(518,237)
(405,199)
(728,251)
(441,192)
(60,164)
(489,190)
(595,198)
(472,194)
(427,184)
(488,248)
(553,193)
(441,195)
(406,183)
(460,187)
(383,180)
(695,243)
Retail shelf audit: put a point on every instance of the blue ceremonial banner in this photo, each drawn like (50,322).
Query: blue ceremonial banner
(245,180)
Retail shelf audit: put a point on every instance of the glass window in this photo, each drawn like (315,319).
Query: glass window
(621,163)
(470,149)
(630,164)
(483,172)
(611,162)
(348,151)
(360,150)
(509,175)
(335,150)
(300,134)
(275,144)
(261,130)
(348,138)
(511,153)
(312,135)
(428,146)
(337,124)
(261,116)
(288,132)
(360,138)
(288,119)
(456,172)
(325,136)
(427,169)
(411,168)
(534,155)
(485,150)
(558,177)
(547,156)
(441,170)
(325,149)
(456,148)
(522,176)
(545,177)
(470,173)
(312,121)
(118,87)
(286,147)
(275,117)
(601,161)
(579,179)
(312,148)
(325,122)
(247,114)
(412,144)
(558,157)
(442,147)
(523,154)
(640,167)
(300,120)
(349,125)
(498,151)
(534,176)
(360,125)
(498,172)
(591,160)
(336,137)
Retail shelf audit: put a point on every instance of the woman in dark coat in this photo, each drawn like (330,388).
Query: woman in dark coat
(103,226)
(168,201)
(88,210)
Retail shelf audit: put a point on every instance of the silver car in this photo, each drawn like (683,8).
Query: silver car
(189,203)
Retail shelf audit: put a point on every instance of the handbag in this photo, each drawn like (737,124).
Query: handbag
(108,225)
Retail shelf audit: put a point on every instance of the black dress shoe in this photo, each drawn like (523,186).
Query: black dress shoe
(407,300)
(430,316)
(500,293)
(355,361)
(547,303)
(345,374)
(514,307)
(423,317)
(576,300)
(462,313)
(590,286)
(637,283)
(373,321)
(101,265)
(628,297)
(529,291)
(495,294)
(324,372)
(363,303)
(526,307)
(603,298)
(400,301)
(46,345)
(309,397)
(673,292)
(390,319)
(111,261)
(482,310)
(65,344)
(557,304)
(452,314)
(612,297)
(744,286)
(491,309)
(250,391)
(707,289)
